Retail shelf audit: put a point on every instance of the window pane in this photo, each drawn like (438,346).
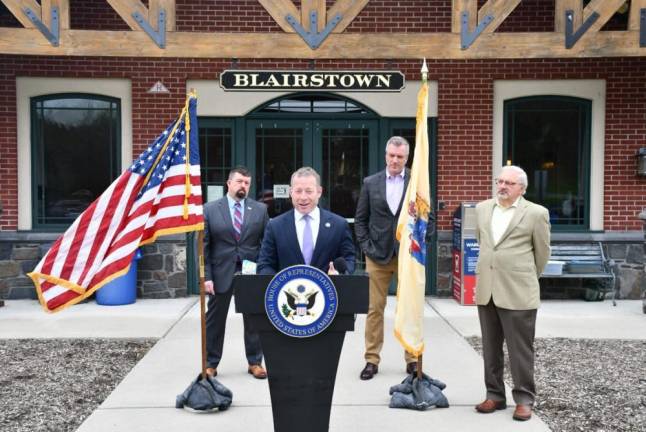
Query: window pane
(76,142)
(549,138)
(345,164)
(215,154)
(279,152)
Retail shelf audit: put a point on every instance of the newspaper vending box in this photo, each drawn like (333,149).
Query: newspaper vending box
(465,254)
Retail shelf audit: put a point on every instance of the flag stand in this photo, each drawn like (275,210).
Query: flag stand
(419,366)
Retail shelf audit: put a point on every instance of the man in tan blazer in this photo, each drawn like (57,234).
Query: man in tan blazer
(514,238)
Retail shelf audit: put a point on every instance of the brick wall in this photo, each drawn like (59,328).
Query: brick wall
(464,123)
(465,90)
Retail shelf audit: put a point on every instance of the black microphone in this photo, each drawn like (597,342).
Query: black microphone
(341,265)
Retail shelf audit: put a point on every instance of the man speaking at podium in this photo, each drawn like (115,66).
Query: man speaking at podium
(307,234)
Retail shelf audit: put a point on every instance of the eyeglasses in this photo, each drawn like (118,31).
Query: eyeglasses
(501,182)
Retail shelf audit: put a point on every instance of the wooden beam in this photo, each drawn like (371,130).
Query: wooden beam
(341,46)
(349,9)
(459,6)
(307,6)
(63,13)
(500,9)
(125,9)
(635,8)
(16,7)
(605,8)
(559,14)
(154,6)
(279,9)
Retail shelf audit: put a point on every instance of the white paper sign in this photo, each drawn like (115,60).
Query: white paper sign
(281,191)
(214,192)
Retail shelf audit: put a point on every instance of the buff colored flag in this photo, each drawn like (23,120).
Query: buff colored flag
(411,233)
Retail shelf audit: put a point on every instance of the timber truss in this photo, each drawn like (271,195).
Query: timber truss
(315,32)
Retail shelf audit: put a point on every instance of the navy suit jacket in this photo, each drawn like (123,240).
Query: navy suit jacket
(280,248)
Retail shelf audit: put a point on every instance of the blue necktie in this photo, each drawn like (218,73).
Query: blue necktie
(308,241)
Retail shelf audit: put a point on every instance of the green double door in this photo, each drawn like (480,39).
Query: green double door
(343,152)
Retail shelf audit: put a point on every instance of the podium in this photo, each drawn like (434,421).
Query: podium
(301,371)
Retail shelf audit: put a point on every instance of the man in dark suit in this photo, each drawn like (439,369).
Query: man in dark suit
(307,234)
(375,223)
(233,230)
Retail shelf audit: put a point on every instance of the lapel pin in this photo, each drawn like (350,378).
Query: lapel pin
(248,208)
(327,225)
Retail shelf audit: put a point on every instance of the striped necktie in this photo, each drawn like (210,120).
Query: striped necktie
(237,220)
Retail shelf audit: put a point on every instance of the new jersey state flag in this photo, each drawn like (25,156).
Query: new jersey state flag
(411,232)
(158,194)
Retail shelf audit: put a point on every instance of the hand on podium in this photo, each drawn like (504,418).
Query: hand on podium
(332,270)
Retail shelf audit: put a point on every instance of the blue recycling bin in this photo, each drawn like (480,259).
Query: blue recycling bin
(122,290)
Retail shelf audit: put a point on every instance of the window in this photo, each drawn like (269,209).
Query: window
(75,154)
(313,104)
(216,156)
(549,137)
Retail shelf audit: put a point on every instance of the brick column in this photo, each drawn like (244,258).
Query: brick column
(642,216)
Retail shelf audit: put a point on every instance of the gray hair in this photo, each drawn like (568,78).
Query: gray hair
(522,176)
(398,141)
(306,172)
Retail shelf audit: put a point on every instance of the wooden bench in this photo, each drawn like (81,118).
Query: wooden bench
(584,261)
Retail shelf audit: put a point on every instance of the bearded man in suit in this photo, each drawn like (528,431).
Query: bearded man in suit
(233,230)
(514,238)
(307,234)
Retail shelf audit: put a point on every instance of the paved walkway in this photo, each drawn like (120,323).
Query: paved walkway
(144,400)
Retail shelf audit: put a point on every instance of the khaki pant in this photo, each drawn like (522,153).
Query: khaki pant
(380,277)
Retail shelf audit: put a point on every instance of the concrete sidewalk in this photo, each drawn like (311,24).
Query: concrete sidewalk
(144,400)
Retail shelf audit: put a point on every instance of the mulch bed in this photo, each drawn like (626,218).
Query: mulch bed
(588,384)
(55,384)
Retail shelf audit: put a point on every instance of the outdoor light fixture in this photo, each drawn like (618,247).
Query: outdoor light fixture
(641,161)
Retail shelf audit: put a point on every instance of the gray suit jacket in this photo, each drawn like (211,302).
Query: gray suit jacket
(221,250)
(374,223)
(508,271)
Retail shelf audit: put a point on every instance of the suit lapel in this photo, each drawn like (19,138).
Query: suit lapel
(322,236)
(518,216)
(291,237)
(248,214)
(487,222)
(381,186)
(226,216)
(406,180)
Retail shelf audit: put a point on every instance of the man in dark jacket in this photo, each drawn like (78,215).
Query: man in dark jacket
(376,219)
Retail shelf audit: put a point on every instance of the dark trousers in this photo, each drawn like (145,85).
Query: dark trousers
(216,321)
(517,329)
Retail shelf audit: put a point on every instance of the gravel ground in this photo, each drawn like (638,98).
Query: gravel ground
(589,385)
(53,385)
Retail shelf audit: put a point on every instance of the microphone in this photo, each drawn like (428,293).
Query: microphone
(341,265)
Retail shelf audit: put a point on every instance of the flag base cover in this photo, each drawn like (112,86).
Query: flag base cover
(160,194)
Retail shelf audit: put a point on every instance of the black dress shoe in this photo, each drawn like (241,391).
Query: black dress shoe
(369,371)
(411,368)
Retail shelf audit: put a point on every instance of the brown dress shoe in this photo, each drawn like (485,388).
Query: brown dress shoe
(369,371)
(489,406)
(211,372)
(257,371)
(522,412)
(411,368)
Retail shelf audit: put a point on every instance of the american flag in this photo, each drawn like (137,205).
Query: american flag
(159,194)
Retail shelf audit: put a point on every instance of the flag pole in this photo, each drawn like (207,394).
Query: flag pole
(420,360)
(200,254)
(200,247)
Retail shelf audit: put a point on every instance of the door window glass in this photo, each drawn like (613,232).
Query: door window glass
(279,152)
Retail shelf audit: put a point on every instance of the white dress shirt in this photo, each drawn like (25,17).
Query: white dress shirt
(314,225)
(501,218)
(394,190)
